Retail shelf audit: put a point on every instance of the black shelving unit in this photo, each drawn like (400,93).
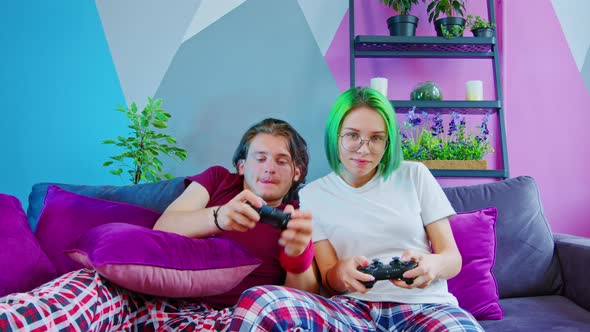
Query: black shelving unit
(439,47)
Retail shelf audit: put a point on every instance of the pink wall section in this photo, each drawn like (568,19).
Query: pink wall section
(548,112)
(546,106)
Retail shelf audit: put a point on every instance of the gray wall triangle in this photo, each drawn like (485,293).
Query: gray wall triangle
(260,60)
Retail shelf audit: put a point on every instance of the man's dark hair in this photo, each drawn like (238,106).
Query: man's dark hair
(297,147)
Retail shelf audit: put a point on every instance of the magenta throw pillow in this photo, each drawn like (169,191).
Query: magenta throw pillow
(475,286)
(23,264)
(161,263)
(66,216)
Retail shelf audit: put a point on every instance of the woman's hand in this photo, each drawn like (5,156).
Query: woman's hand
(345,276)
(237,215)
(423,275)
(298,233)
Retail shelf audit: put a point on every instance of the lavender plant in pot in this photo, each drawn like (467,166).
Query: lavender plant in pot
(453,24)
(402,24)
(424,138)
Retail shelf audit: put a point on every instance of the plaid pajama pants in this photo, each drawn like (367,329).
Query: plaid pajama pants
(82,301)
(276,308)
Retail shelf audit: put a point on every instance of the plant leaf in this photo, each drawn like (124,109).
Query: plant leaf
(159,124)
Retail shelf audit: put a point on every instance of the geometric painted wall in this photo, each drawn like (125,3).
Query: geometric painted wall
(222,65)
(548,105)
(144,46)
(574,18)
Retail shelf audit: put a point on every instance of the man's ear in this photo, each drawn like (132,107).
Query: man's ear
(297,174)
(241,166)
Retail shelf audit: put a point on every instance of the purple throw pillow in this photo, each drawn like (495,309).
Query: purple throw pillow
(23,264)
(67,216)
(161,263)
(475,286)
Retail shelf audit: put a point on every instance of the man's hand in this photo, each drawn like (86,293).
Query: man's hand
(298,233)
(236,215)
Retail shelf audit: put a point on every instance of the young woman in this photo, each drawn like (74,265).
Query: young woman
(372,206)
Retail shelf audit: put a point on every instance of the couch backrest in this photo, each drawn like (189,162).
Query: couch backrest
(525,261)
(156,196)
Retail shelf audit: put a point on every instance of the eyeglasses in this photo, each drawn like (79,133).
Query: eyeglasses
(353,141)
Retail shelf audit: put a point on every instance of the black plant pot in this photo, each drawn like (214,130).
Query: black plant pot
(449,23)
(402,25)
(483,32)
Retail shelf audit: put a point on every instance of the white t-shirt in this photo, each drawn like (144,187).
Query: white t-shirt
(380,220)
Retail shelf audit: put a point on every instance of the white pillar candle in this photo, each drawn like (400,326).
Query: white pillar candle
(474,90)
(379,84)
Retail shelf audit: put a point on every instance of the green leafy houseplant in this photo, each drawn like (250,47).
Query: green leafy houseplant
(142,148)
(424,138)
(402,24)
(448,7)
(402,7)
(480,27)
(477,22)
(456,31)
(452,25)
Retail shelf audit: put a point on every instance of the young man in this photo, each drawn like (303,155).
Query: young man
(271,161)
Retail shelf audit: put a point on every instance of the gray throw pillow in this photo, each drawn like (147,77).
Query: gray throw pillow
(525,261)
(156,196)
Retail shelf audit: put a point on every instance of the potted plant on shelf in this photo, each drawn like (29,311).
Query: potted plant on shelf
(424,139)
(402,24)
(479,27)
(452,25)
(142,148)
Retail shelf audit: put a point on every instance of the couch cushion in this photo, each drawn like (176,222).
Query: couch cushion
(155,196)
(23,264)
(475,286)
(161,263)
(67,216)
(572,250)
(525,261)
(540,313)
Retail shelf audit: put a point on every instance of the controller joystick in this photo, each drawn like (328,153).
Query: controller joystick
(272,216)
(394,270)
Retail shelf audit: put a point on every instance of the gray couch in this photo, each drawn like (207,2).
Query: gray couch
(541,276)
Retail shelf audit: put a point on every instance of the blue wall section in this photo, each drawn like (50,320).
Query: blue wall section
(58,88)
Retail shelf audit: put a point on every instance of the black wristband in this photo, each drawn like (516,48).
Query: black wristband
(215,218)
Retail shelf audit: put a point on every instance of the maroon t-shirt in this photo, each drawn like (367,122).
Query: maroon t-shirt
(261,242)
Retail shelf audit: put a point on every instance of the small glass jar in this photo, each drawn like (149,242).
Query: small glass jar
(426,91)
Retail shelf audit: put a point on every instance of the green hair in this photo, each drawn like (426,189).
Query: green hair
(354,98)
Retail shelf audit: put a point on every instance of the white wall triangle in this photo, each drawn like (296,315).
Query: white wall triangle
(143,37)
(324,18)
(208,13)
(574,16)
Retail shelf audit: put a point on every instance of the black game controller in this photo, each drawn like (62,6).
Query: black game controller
(394,270)
(272,216)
